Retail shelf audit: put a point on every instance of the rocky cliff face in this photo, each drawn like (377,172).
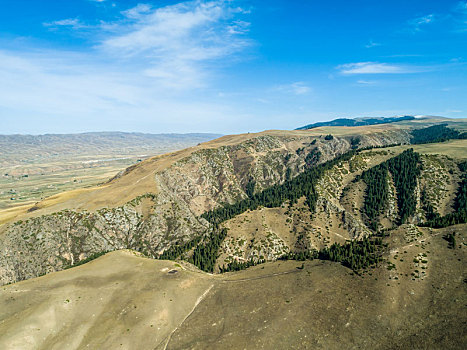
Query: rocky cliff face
(267,233)
(202,180)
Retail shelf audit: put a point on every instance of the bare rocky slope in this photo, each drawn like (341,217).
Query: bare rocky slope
(164,198)
(158,202)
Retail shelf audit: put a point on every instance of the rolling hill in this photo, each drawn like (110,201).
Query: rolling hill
(356,122)
(122,300)
(354,231)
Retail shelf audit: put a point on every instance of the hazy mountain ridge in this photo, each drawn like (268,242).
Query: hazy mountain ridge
(34,167)
(356,122)
(55,146)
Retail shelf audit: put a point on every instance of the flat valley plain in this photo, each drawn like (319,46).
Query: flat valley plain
(36,167)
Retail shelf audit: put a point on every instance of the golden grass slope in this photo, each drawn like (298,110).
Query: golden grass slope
(119,301)
(122,301)
(139,178)
(456,149)
(136,180)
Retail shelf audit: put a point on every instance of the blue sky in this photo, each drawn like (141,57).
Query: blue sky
(226,66)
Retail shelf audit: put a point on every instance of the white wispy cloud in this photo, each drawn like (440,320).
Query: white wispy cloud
(296,88)
(372,44)
(146,65)
(177,40)
(418,22)
(74,23)
(239,27)
(376,68)
(138,11)
(366,82)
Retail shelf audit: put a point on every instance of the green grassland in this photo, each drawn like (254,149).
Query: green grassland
(456,149)
(457,124)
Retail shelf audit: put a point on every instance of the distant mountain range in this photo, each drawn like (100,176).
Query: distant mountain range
(357,122)
(20,149)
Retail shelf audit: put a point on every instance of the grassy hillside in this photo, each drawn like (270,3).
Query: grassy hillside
(124,301)
(285,195)
(159,203)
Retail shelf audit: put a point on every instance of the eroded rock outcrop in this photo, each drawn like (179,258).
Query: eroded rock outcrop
(151,223)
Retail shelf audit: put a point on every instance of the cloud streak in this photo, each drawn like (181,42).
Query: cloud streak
(417,23)
(74,23)
(366,82)
(296,88)
(376,68)
(148,65)
(372,44)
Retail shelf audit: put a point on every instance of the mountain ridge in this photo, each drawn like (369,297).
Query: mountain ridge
(158,202)
(369,271)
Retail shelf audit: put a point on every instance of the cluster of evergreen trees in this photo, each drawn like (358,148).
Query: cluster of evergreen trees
(459,216)
(313,157)
(405,169)
(240,265)
(436,133)
(178,249)
(250,188)
(206,254)
(355,141)
(356,255)
(376,194)
(274,196)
